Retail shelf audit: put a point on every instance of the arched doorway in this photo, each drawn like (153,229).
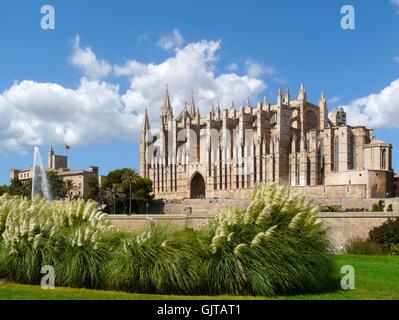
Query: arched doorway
(197,187)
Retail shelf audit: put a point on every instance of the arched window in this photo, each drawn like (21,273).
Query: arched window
(384,159)
(321,163)
(310,120)
(336,154)
(352,156)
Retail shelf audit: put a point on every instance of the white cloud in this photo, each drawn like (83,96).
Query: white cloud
(256,69)
(171,40)
(86,60)
(376,110)
(395,2)
(131,67)
(396,59)
(232,67)
(43,113)
(192,68)
(34,113)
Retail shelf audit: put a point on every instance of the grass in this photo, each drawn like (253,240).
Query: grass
(376,278)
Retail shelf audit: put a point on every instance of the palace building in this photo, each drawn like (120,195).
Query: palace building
(59,164)
(291,142)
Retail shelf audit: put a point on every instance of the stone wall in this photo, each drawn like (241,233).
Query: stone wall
(345,226)
(341,226)
(212,206)
(202,206)
(338,191)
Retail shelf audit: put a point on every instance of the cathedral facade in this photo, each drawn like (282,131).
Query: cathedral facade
(291,142)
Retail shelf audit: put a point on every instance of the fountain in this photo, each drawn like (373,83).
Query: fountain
(40,184)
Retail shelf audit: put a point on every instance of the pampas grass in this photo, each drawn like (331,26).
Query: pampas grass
(275,247)
(70,236)
(158,261)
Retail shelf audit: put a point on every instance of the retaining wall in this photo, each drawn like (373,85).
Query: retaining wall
(341,226)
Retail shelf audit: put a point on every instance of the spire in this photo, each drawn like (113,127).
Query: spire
(322,95)
(265,102)
(166,106)
(216,109)
(280,97)
(192,99)
(146,123)
(248,104)
(191,108)
(323,111)
(232,111)
(323,99)
(287,97)
(302,93)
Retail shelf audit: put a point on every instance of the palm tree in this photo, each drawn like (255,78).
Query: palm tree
(130,177)
(114,192)
(69,187)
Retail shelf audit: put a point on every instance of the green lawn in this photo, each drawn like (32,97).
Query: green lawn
(376,278)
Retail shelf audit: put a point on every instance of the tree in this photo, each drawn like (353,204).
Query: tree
(93,189)
(142,192)
(69,187)
(115,176)
(56,185)
(130,177)
(17,188)
(3,190)
(114,192)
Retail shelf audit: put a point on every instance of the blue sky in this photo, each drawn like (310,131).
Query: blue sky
(110,59)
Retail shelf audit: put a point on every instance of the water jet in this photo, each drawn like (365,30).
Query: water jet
(40,185)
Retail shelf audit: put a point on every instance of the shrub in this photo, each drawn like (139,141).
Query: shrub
(277,246)
(378,207)
(386,234)
(331,208)
(363,246)
(390,208)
